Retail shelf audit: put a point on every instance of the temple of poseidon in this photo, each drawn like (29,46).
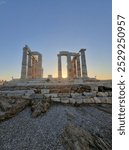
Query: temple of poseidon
(33,89)
(32,64)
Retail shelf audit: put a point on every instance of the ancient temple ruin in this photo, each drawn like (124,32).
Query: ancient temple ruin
(31,64)
(75,69)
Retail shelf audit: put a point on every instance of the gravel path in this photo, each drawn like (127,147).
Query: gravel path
(26,133)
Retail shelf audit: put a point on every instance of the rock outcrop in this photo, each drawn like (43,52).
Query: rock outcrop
(79,139)
(9,107)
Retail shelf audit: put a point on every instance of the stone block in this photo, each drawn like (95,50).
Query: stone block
(72,101)
(110,94)
(97,100)
(75,95)
(64,95)
(45,91)
(37,96)
(64,100)
(55,99)
(89,94)
(102,94)
(52,95)
(79,101)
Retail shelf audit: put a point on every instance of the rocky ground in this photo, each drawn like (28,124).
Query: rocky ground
(63,127)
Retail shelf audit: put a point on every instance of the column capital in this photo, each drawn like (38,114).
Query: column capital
(59,55)
(82,49)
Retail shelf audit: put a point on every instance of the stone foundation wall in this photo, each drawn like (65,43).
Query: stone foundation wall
(67,94)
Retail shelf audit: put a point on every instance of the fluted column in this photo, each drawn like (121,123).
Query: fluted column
(59,66)
(69,66)
(33,67)
(24,64)
(83,60)
(78,66)
(74,67)
(29,66)
(40,69)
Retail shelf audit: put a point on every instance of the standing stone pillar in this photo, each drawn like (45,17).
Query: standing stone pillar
(33,67)
(78,66)
(69,66)
(29,66)
(83,60)
(40,70)
(59,66)
(74,67)
(24,63)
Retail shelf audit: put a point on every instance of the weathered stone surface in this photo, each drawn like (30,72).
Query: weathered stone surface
(64,95)
(72,100)
(45,91)
(4,105)
(11,107)
(78,101)
(75,95)
(64,100)
(89,94)
(39,106)
(55,99)
(36,96)
(110,94)
(76,138)
(97,100)
(102,94)
(104,89)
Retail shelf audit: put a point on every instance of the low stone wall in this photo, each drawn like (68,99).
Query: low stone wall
(64,92)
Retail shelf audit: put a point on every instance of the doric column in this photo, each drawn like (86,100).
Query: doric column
(40,69)
(78,66)
(83,60)
(29,66)
(33,67)
(24,64)
(74,71)
(69,66)
(59,66)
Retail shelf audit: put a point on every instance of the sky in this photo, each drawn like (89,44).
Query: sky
(50,26)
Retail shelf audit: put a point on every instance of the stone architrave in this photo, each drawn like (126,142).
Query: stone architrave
(83,60)
(59,66)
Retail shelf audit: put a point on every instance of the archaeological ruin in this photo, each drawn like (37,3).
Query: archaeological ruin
(31,64)
(74,70)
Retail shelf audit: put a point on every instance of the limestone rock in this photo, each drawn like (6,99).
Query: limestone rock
(64,100)
(78,139)
(11,107)
(55,99)
(45,91)
(104,89)
(102,94)
(39,106)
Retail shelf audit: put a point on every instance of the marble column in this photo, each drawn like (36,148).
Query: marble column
(69,66)
(74,67)
(40,70)
(24,64)
(83,60)
(78,66)
(59,66)
(33,68)
(29,66)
